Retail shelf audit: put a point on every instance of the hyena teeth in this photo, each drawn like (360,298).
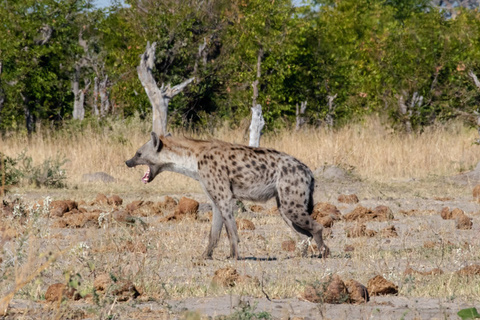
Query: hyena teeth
(146,175)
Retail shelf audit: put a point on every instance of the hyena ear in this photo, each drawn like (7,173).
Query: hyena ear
(157,143)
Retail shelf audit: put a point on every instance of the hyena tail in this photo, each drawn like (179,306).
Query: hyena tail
(310,196)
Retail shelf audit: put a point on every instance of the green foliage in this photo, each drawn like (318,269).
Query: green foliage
(49,174)
(7,166)
(345,58)
(470,313)
(247,312)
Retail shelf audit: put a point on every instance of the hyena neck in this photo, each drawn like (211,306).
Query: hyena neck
(179,156)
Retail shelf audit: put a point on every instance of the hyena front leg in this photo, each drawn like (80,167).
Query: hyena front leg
(222,203)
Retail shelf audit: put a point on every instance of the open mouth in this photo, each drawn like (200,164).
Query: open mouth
(146,176)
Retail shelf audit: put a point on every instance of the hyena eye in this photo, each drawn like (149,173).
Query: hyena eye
(138,155)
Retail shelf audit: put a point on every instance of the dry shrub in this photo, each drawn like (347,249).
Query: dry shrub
(470,270)
(348,198)
(244,224)
(58,291)
(378,286)
(433,272)
(429,244)
(349,248)
(361,214)
(359,230)
(389,232)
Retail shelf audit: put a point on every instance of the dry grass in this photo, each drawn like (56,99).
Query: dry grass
(375,152)
(169,268)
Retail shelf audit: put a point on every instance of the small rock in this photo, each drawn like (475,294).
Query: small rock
(288,245)
(244,224)
(449,215)
(463,222)
(101,199)
(476,192)
(168,203)
(333,290)
(358,292)
(58,291)
(348,198)
(257,208)
(362,214)
(134,205)
(380,286)
(59,207)
(187,206)
(98,177)
(114,200)
(229,277)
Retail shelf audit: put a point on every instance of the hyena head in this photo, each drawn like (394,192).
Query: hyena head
(148,155)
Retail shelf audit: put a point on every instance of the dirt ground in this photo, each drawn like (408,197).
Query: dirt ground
(155,248)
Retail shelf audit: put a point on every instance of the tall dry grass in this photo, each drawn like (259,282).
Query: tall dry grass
(374,150)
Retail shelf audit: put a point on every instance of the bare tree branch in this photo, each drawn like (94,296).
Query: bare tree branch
(159,97)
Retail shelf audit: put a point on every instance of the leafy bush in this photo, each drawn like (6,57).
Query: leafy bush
(48,174)
(7,167)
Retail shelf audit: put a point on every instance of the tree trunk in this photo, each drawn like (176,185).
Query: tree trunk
(300,119)
(95,97)
(256,126)
(329,118)
(79,95)
(159,97)
(258,122)
(104,102)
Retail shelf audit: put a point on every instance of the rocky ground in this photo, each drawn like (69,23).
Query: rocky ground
(399,250)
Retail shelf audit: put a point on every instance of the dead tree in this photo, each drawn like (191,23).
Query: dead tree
(258,122)
(330,116)
(103,93)
(79,94)
(159,97)
(299,118)
(407,109)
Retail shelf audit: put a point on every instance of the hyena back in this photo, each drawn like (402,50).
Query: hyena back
(229,171)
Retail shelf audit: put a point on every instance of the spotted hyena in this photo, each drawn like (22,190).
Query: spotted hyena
(229,171)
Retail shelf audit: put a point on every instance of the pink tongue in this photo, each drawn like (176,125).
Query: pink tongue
(145,176)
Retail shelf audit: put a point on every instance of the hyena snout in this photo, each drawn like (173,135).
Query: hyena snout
(131,163)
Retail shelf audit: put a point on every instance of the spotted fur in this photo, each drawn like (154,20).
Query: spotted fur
(229,171)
